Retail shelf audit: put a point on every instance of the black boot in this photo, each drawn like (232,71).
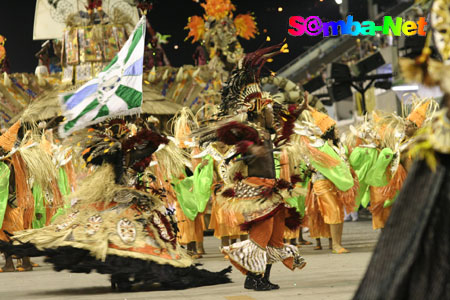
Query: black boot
(256,282)
(266,278)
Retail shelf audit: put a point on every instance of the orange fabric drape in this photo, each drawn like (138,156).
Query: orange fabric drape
(331,208)
(12,222)
(224,222)
(380,214)
(320,157)
(24,195)
(189,231)
(313,217)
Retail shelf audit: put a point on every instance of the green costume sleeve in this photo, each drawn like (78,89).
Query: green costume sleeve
(64,187)
(40,215)
(4,189)
(361,160)
(203,180)
(299,201)
(340,175)
(186,198)
(376,176)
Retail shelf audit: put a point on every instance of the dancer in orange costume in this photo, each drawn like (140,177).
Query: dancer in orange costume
(16,203)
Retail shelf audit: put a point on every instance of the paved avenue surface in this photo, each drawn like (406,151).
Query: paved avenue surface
(326,276)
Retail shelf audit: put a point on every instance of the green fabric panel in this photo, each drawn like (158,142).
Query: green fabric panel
(388,203)
(104,111)
(361,160)
(64,188)
(364,195)
(376,176)
(87,109)
(135,41)
(132,97)
(39,208)
(298,203)
(186,197)
(4,189)
(203,180)
(340,175)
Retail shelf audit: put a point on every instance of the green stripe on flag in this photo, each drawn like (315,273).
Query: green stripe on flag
(114,60)
(136,38)
(104,111)
(67,97)
(131,96)
(69,125)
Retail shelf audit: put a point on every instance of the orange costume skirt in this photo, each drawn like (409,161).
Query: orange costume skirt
(12,222)
(323,208)
(225,222)
(189,231)
(380,214)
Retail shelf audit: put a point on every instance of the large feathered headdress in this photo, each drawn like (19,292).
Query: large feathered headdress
(244,85)
(217,10)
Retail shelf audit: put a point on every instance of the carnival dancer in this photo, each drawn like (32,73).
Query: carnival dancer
(118,227)
(224,223)
(190,205)
(247,121)
(333,186)
(16,202)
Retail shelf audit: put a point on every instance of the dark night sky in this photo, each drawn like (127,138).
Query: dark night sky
(170,17)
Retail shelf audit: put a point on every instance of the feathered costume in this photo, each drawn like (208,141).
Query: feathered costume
(333,185)
(246,121)
(117,224)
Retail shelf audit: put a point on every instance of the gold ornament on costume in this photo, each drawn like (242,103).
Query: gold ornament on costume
(440,21)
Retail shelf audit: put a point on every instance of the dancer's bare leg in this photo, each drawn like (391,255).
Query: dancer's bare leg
(9,264)
(336,235)
(26,265)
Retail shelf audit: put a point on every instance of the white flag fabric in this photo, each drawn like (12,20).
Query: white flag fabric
(116,91)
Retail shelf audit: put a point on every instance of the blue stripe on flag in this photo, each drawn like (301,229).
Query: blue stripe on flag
(81,95)
(135,69)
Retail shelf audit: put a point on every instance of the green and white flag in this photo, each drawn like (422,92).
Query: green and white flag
(116,91)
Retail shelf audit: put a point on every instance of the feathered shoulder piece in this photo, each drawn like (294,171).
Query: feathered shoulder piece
(239,134)
(144,137)
(116,144)
(433,138)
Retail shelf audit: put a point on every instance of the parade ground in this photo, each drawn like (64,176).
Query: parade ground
(326,276)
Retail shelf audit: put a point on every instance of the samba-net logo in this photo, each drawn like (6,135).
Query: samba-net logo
(314,26)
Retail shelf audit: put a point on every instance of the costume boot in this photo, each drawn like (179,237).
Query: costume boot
(256,282)
(267,278)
